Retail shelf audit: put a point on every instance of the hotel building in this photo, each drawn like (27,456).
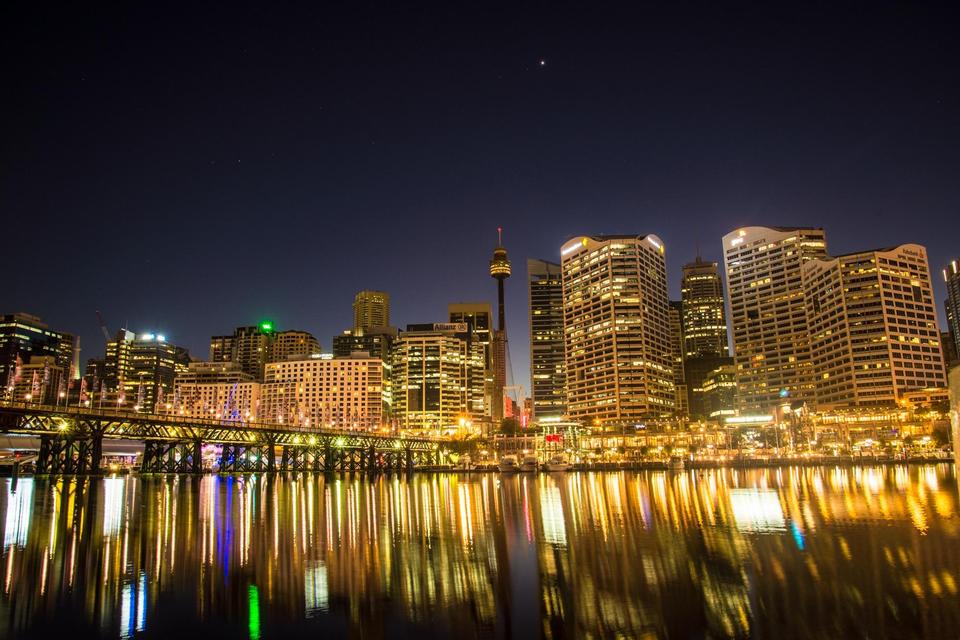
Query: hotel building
(320,390)
(873,327)
(767,310)
(216,390)
(616,322)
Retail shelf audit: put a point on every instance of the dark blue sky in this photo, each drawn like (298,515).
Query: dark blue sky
(190,169)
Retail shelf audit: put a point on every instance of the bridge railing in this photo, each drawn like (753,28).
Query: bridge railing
(181,420)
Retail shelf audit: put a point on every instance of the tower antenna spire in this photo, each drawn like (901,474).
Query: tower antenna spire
(500,236)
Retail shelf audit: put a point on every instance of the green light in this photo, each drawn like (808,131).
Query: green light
(254,598)
(266,326)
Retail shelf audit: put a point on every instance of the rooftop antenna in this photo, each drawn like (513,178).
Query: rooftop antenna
(500,236)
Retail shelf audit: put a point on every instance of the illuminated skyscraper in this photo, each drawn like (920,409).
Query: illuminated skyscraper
(616,322)
(371,310)
(479,320)
(437,377)
(951,276)
(250,347)
(770,338)
(152,365)
(23,338)
(873,327)
(704,315)
(548,382)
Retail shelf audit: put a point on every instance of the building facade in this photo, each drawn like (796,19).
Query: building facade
(616,322)
(324,391)
(216,391)
(437,377)
(24,340)
(292,344)
(873,327)
(152,365)
(548,381)
(677,351)
(704,311)
(250,347)
(768,314)
(951,278)
(719,392)
(371,310)
(478,316)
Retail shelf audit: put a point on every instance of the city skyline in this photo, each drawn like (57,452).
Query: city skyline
(192,185)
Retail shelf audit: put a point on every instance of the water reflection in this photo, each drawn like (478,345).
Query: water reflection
(785,553)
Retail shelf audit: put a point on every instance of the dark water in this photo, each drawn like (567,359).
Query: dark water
(822,553)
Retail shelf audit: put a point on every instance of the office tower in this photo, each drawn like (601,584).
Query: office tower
(770,339)
(479,320)
(292,344)
(374,344)
(250,347)
(704,315)
(499,271)
(435,377)
(152,365)
(951,277)
(950,355)
(323,391)
(719,392)
(616,320)
(676,357)
(371,310)
(547,373)
(116,362)
(24,339)
(215,390)
(873,327)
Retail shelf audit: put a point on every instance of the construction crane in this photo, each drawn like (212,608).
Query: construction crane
(103,326)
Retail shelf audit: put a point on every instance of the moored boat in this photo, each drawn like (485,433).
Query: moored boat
(508,463)
(530,463)
(558,462)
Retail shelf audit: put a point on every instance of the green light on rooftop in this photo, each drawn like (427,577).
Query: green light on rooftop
(266,326)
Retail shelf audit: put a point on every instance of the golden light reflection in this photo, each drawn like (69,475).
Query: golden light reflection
(823,552)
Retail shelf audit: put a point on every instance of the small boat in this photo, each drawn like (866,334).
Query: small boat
(676,463)
(558,463)
(530,464)
(508,464)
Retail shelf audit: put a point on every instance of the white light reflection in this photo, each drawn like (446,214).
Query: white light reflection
(757,510)
(19,508)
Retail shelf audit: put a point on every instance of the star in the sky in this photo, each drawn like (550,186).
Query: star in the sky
(542,62)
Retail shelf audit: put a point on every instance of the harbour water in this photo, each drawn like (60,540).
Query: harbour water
(795,552)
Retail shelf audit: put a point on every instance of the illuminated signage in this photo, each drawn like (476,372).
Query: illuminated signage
(579,244)
(455,327)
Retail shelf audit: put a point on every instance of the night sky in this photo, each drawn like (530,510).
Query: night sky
(190,169)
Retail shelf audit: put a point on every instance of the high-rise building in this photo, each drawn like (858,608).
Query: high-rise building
(719,392)
(152,365)
(320,390)
(215,390)
(499,271)
(371,310)
(292,344)
(116,363)
(375,344)
(250,347)
(704,314)
(951,277)
(548,382)
(435,377)
(616,319)
(676,357)
(24,338)
(873,327)
(950,355)
(770,338)
(479,320)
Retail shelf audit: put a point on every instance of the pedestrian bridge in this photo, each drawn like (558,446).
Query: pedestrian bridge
(71,442)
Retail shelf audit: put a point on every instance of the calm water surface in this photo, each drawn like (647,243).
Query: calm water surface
(820,553)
